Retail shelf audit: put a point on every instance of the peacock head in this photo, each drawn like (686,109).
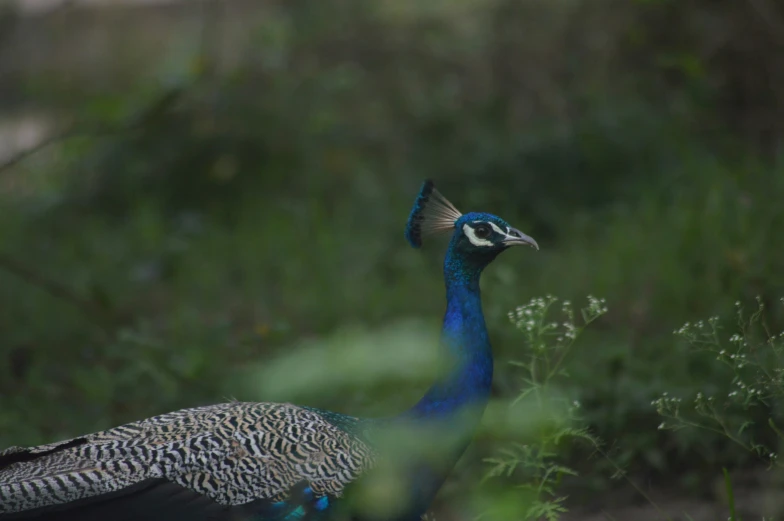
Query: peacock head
(476,236)
(477,232)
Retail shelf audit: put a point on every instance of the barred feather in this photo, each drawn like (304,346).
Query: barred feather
(232,453)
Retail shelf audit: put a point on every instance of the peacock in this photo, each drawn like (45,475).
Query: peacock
(278,461)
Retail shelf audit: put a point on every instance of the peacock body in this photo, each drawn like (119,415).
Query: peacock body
(267,461)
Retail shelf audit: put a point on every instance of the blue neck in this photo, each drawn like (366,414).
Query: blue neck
(455,403)
(468,361)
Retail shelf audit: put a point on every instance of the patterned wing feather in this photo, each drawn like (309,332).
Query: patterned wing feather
(235,455)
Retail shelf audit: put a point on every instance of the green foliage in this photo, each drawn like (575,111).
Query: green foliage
(536,466)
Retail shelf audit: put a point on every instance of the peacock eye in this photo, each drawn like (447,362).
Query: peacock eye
(482,231)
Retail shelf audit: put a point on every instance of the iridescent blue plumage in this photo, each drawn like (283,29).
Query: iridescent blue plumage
(415,218)
(464,333)
(467,351)
(458,398)
(301,504)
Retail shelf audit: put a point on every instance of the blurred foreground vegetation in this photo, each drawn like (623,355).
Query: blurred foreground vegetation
(200,231)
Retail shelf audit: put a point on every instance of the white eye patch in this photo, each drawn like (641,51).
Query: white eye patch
(476,241)
(496,229)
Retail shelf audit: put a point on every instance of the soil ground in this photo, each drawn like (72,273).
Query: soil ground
(756,496)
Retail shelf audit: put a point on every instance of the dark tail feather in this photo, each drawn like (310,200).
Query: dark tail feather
(150,500)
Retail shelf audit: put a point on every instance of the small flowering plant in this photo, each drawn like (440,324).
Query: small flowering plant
(755,357)
(547,344)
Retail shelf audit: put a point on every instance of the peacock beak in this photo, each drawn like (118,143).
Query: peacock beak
(515,237)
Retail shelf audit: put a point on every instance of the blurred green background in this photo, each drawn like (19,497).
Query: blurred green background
(211,184)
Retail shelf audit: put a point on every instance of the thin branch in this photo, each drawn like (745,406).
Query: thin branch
(90,309)
(143,117)
(24,154)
